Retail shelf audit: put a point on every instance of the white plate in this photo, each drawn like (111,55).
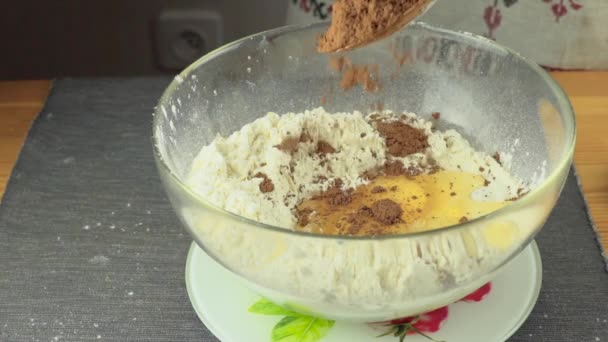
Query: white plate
(221,302)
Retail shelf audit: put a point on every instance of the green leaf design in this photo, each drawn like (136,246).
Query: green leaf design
(266,307)
(294,327)
(301,329)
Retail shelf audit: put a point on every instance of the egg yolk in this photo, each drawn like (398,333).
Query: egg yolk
(427,202)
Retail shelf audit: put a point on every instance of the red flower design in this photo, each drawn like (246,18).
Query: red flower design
(492,14)
(426,322)
(493,18)
(559,9)
(479,294)
(429,322)
(575,6)
(305,5)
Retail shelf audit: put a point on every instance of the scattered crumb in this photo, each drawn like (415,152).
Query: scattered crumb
(496,157)
(99,260)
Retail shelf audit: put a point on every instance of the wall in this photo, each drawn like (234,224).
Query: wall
(44,39)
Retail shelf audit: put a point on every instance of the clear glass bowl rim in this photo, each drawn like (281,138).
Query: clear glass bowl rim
(562,98)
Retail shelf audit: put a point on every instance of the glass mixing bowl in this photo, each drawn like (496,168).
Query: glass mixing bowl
(491,95)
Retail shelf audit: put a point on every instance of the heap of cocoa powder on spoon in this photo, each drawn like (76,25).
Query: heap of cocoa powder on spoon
(356,23)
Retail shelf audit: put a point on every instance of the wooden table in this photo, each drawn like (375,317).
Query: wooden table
(20,101)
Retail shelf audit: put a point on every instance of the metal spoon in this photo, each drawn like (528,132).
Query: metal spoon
(415,11)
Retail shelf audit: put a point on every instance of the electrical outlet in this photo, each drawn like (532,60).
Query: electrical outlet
(184,35)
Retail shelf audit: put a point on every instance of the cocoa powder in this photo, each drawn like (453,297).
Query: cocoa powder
(412,171)
(324,148)
(400,56)
(365,220)
(289,145)
(340,197)
(521,192)
(352,75)
(396,168)
(378,189)
(358,220)
(335,195)
(496,157)
(370,174)
(319,178)
(303,216)
(401,138)
(386,211)
(393,168)
(305,137)
(362,75)
(356,21)
(266,185)
(337,63)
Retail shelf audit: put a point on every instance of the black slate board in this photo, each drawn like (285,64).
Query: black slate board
(90,248)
